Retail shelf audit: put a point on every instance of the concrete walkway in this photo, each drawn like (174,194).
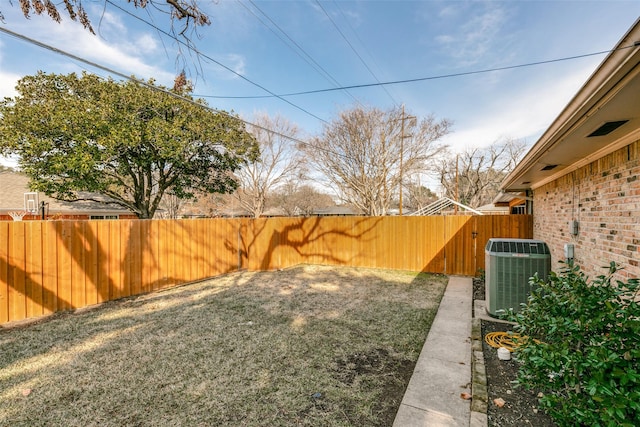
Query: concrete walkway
(443,370)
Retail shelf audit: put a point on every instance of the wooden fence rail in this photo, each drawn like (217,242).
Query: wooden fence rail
(49,266)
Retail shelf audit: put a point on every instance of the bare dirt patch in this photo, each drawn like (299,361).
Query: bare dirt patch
(305,346)
(520,406)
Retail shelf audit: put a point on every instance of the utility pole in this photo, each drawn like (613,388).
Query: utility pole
(402,137)
(401,155)
(457,196)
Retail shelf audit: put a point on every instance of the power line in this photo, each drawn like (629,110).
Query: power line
(159,89)
(304,55)
(365,47)
(437,77)
(354,49)
(191,48)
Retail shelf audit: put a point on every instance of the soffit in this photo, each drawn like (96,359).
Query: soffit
(611,94)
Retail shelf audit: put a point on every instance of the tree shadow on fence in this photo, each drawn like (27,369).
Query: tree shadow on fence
(49,266)
(461,250)
(273,244)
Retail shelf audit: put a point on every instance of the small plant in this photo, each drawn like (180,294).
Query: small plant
(586,362)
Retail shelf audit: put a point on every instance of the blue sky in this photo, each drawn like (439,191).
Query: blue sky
(347,43)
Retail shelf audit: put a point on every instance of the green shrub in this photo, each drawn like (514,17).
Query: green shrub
(586,360)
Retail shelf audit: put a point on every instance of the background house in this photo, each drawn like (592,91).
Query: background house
(581,178)
(15,196)
(512,203)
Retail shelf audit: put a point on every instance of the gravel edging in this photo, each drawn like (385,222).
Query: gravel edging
(478,378)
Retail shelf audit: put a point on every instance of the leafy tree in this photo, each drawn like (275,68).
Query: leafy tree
(475,174)
(366,156)
(182,10)
(122,140)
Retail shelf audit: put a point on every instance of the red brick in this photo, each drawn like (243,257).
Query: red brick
(603,197)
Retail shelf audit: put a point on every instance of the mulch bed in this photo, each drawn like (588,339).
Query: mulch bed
(521,406)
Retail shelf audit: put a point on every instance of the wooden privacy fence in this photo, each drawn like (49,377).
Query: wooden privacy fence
(49,266)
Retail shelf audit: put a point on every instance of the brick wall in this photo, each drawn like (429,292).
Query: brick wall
(604,197)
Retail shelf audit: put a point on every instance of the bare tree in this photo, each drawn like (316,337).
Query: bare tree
(279,161)
(186,11)
(170,206)
(475,174)
(216,205)
(296,199)
(366,153)
(418,196)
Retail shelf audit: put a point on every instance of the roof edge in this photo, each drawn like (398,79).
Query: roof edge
(586,98)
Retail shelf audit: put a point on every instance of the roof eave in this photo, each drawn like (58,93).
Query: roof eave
(602,80)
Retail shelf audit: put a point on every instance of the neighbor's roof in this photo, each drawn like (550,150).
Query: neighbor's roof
(491,208)
(13,185)
(586,129)
(334,210)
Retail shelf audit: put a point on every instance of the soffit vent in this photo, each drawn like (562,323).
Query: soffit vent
(549,167)
(607,128)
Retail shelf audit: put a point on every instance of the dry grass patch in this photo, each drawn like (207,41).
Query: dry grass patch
(305,346)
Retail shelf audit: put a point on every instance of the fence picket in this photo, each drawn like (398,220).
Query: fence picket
(50,266)
(4,272)
(16,272)
(33,265)
(78,251)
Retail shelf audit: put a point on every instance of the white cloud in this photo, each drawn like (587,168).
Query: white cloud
(112,28)
(123,57)
(355,18)
(8,80)
(115,46)
(7,84)
(146,44)
(524,114)
(233,61)
(109,22)
(237,62)
(11,161)
(475,36)
(448,11)
(445,39)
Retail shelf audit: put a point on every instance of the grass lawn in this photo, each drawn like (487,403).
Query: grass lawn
(306,346)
